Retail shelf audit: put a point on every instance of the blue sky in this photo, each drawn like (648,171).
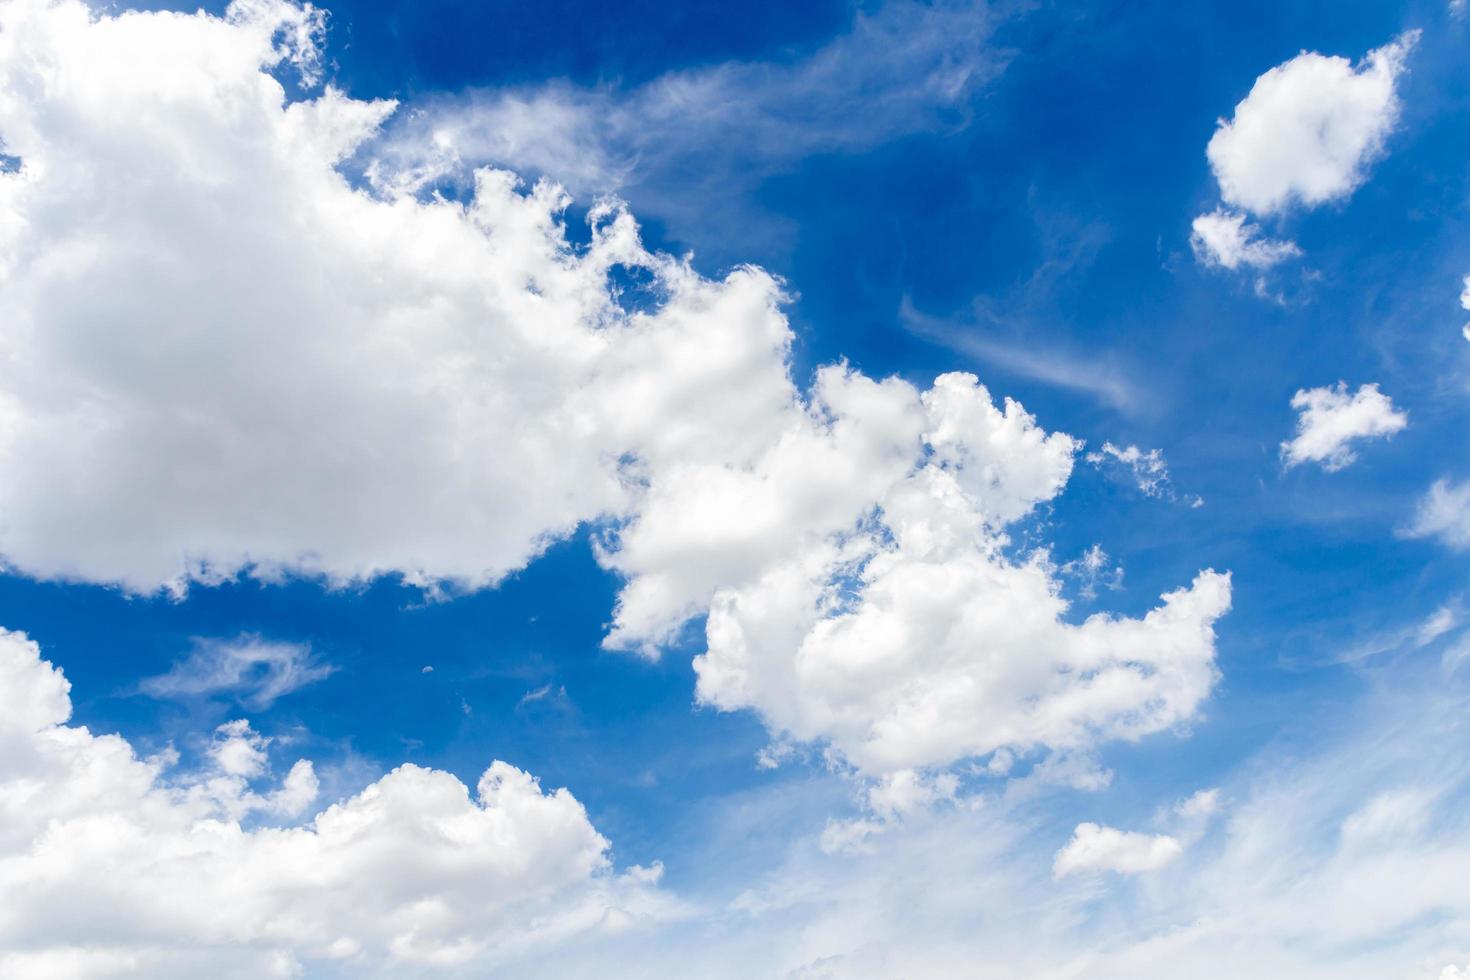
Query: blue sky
(651,475)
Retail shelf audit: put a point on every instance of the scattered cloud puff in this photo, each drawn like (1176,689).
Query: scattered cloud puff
(1305,135)
(1147,468)
(1202,804)
(1225,239)
(1096,848)
(378,383)
(1444,513)
(114,865)
(1091,572)
(1309,129)
(254,670)
(1330,420)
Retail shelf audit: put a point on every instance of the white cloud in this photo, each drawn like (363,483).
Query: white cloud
(926,60)
(1096,848)
(1272,888)
(255,367)
(256,671)
(923,645)
(1444,513)
(1465,304)
(1308,130)
(1091,571)
(1148,469)
(111,865)
(1223,238)
(1330,420)
(1201,804)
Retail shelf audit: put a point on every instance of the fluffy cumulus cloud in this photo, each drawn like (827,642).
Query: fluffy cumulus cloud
(1096,848)
(1330,420)
(115,865)
(1225,239)
(1305,135)
(1308,129)
(223,357)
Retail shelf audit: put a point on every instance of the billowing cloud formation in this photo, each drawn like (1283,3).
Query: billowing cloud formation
(1308,129)
(917,643)
(253,366)
(1097,848)
(1227,240)
(248,364)
(255,670)
(110,866)
(1330,420)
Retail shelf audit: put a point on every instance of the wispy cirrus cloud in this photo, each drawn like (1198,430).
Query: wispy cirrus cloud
(1107,382)
(685,141)
(253,670)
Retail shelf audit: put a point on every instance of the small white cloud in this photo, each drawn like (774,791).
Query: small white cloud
(1201,804)
(1465,304)
(1444,513)
(255,671)
(1091,572)
(1094,848)
(1331,420)
(545,692)
(1148,468)
(1309,129)
(1225,239)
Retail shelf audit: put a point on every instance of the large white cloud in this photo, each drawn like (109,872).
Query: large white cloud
(1308,129)
(219,355)
(1330,420)
(115,865)
(224,357)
